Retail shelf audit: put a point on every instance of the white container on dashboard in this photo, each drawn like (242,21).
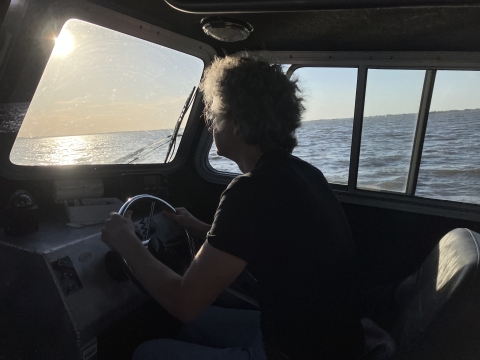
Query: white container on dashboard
(91,211)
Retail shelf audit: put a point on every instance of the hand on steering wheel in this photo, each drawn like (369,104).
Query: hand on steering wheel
(119,231)
(188,222)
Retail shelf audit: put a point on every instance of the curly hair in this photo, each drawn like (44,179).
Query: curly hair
(258,97)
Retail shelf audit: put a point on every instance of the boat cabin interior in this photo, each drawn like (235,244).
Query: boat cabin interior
(99,104)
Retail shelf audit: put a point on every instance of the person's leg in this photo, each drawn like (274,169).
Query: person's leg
(222,328)
(166,349)
(216,334)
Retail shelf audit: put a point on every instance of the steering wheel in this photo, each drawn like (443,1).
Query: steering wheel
(166,241)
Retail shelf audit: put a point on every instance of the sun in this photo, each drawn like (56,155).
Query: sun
(64,44)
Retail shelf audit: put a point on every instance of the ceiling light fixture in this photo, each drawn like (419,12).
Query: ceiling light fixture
(226,29)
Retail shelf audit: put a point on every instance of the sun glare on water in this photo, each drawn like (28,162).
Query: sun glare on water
(64,44)
(68,150)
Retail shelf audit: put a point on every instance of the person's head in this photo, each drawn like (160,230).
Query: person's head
(256,99)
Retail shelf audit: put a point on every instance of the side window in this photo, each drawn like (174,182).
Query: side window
(392,102)
(450,164)
(105,98)
(221,163)
(324,139)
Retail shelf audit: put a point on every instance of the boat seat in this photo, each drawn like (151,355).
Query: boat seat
(438,307)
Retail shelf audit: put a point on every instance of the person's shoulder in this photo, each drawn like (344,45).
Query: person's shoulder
(240,192)
(304,164)
(307,171)
(241,183)
(297,160)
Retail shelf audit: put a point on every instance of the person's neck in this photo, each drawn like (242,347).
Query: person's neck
(248,157)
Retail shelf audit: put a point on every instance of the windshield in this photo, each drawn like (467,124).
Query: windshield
(103,96)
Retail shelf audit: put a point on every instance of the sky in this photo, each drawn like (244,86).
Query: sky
(330,92)
(98,80)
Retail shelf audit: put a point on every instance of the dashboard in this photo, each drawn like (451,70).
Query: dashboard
(56,293)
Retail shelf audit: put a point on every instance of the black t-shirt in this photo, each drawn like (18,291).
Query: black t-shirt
(285,221)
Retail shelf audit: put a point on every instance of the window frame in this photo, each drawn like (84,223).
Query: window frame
(428,61)
(110,19)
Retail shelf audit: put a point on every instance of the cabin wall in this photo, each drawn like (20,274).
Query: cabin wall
(392,244)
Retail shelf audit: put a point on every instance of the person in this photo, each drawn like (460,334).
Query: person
(279,219)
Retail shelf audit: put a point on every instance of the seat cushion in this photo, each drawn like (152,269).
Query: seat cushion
(439,306)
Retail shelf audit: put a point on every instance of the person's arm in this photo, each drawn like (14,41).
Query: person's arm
(184,297)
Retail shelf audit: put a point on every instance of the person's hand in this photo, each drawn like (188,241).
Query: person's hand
(119,232)
(188,221)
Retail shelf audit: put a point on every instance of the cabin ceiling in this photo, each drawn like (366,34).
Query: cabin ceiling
(434,28)
(243,6)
